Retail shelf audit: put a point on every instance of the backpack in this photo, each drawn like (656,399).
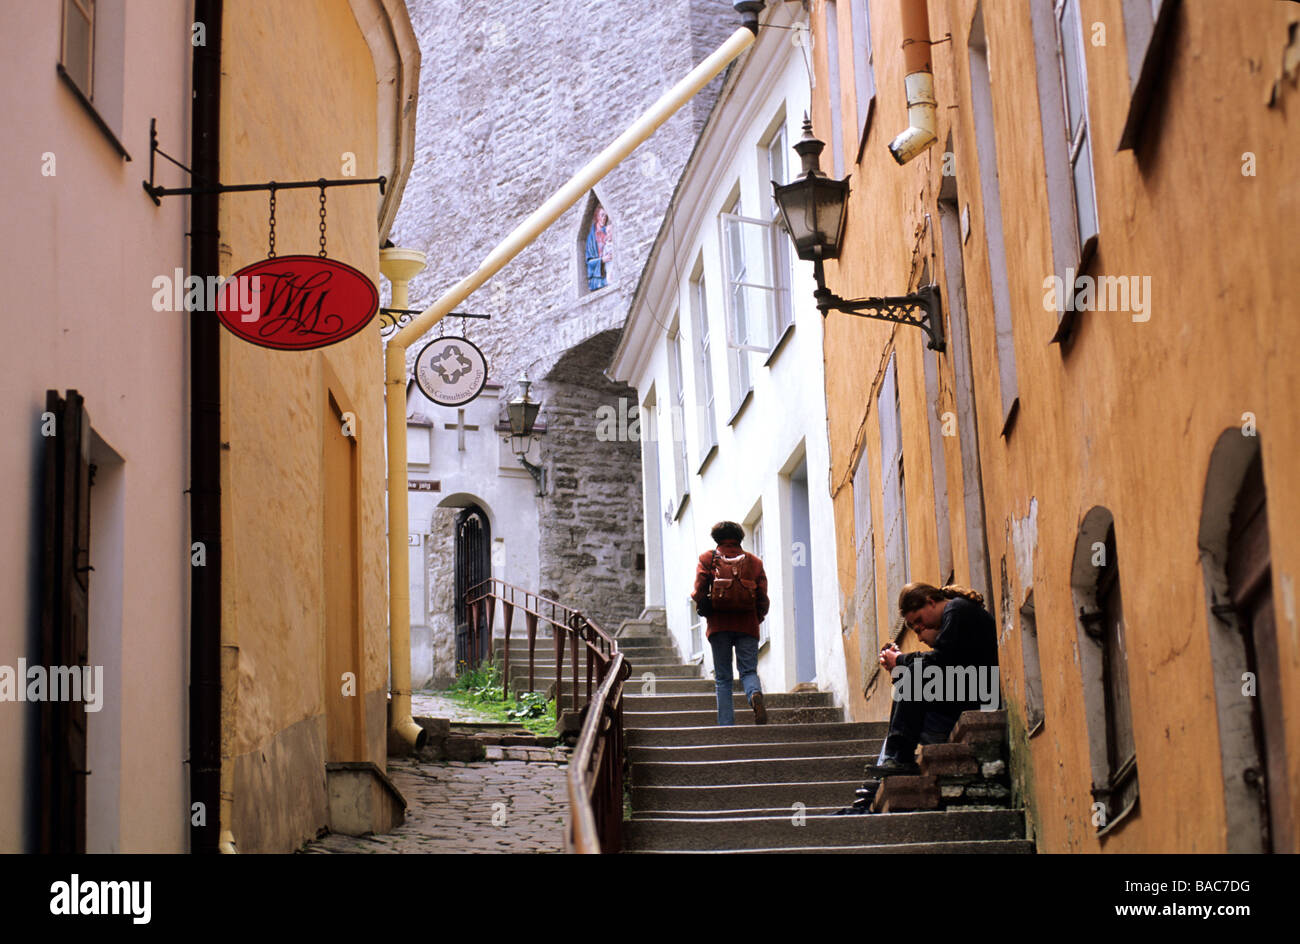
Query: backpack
(730,591)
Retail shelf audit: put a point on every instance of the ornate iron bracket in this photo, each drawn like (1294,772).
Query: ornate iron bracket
(156,193)
(392,319)
(920,308)
(536,471)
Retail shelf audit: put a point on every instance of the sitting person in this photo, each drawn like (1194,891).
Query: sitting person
(733,608)
(962,635)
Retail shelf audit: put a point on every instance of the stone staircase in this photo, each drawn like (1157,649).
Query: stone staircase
(697,787)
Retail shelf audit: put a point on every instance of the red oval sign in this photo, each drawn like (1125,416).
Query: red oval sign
(296,303)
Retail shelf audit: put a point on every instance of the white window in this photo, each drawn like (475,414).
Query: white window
(1147,31)
(864,597)
(864,76)
(833,70)
(778,168)
(755,529)
(91,59)
(707,426)
(78,52)
(753,292)
(1074,80)
(898,569)
(677,410)
(986,147)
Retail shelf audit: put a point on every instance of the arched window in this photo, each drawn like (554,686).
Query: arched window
(1236,564)
(1103,663)
(595,248)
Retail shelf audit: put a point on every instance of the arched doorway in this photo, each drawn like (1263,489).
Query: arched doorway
(1237,565)
(473,566)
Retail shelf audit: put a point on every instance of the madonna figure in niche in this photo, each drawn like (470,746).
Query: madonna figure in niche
(599,249)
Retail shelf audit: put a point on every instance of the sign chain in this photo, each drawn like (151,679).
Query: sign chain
(270,253)
(322,222)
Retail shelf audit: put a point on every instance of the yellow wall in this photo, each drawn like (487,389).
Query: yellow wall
(298,92)
(1127,415)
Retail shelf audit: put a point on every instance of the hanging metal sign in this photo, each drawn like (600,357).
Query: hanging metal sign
(297,303)
(450,371)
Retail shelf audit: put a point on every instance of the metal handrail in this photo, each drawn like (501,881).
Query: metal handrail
(595,774)
(566,622)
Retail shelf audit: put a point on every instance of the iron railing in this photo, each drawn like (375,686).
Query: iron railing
(595,772)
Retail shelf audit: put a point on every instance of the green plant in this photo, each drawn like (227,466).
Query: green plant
(481,683)
(528,705)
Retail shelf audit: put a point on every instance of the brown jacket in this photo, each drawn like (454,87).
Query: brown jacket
(733,621)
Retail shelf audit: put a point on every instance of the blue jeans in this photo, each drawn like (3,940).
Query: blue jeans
(746,647)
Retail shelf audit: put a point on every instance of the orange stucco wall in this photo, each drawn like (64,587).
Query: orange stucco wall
(1126,415)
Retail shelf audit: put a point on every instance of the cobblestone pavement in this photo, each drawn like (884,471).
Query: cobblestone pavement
(491,806)
(437,705)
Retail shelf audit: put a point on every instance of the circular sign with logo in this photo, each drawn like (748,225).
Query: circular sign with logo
(296,303)
(450,371)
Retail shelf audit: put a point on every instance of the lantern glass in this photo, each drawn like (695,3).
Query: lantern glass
(813,208)
(523,416)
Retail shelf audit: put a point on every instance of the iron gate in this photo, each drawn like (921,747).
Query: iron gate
(473,566)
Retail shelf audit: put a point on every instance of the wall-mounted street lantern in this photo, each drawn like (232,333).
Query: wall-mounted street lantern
(523,412)
(814,208)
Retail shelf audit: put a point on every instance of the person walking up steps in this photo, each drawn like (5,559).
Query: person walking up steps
(731,594)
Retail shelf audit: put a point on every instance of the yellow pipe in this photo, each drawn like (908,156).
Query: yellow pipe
(400,266)
(399,612)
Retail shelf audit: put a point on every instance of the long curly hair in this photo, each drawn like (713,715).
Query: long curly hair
(916,595)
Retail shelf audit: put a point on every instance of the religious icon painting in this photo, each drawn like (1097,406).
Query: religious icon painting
(450,371)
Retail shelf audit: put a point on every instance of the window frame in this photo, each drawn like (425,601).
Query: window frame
(705,396)
(754,529)
(832,21)
(1078,138)
(864,69)
(103,93)
(1148,33)
(780,261)
(677,413)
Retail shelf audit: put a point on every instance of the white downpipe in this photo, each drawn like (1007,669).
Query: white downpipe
(399,608)
(918,82)
(922,117)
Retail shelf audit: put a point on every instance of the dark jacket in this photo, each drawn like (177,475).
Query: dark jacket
(732,621)
(967,636)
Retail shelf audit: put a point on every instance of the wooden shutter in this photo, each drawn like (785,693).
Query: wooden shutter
(65,585)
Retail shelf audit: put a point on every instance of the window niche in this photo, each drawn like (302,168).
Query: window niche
(595,248)
(1103,664)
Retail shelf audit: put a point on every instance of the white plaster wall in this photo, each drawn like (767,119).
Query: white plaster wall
(486,473)
(78,253)
(786,416)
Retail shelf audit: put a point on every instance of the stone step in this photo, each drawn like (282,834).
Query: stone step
(636,702)
(773,733)
(676,686)
(760,770)
(869,748)
(519,642)
(791,830)
(997,846)
(778,795)
(700,815)
(638,665)
(701,718)
(680,671)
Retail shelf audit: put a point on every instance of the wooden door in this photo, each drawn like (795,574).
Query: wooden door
(344,693)
(65,639)
(1250,586)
